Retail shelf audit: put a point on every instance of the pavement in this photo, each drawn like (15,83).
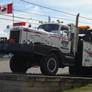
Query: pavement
(4,67)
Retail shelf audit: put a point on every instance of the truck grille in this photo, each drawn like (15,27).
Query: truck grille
(15,35)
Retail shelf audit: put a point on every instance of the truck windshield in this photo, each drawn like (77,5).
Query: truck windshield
(49,27)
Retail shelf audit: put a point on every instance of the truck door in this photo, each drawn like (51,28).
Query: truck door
(64,43)
(49,34)
(41,35)
(53,35)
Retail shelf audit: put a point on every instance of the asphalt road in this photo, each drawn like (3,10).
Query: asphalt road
(4,67)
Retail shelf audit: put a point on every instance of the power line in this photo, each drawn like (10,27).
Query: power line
(17,20)
(33,23)
(85,18)
(48,8)
(31,13)
(67,13)
(6,19)
(42,15)
(22,17)
(50,16)
(36,19)
(37,14)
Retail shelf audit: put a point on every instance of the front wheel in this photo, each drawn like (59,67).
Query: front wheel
(17,65)
(49,65)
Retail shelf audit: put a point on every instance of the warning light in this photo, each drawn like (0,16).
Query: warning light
(19,24)
(83,27)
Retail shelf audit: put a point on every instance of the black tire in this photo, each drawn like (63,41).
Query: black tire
(87,71)
(49,65)
(17,65)
(81,71)
(75,70)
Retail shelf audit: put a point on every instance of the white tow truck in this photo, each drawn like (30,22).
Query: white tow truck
(51,46)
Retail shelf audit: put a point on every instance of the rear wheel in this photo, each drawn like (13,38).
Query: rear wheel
(49,65)
(75,70)
(17,65)
(87,71)
(79,70)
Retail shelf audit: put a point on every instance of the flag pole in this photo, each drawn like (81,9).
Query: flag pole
(13,17)
(13,10)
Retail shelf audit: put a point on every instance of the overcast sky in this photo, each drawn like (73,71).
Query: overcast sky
(84,7)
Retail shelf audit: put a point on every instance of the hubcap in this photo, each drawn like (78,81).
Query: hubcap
(51,65)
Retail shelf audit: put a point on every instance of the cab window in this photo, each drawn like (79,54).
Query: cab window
(49,27)
(64,29)
(88,36)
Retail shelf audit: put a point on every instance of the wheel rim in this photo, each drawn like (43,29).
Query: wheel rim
(51,65)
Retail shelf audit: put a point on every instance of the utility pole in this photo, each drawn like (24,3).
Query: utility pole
(13,11)
(49,19)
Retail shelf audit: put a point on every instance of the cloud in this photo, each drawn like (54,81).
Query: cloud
(67,3)
(36,8)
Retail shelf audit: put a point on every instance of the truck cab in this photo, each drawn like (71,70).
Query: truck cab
(55,35)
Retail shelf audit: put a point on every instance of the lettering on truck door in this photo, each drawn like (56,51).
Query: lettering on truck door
(50,34)
(87,54)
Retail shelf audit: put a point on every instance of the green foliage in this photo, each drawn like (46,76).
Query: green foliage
(81,89)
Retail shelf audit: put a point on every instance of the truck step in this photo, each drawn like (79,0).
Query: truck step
(69,57)
(69,60)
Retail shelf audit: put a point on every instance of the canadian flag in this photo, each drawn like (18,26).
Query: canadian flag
(6,9)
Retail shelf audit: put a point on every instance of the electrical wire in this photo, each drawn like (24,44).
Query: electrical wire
(48,8)
(67,13)
(22,17)
(30,12)
(18,21)
(50,16)
(31,22)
